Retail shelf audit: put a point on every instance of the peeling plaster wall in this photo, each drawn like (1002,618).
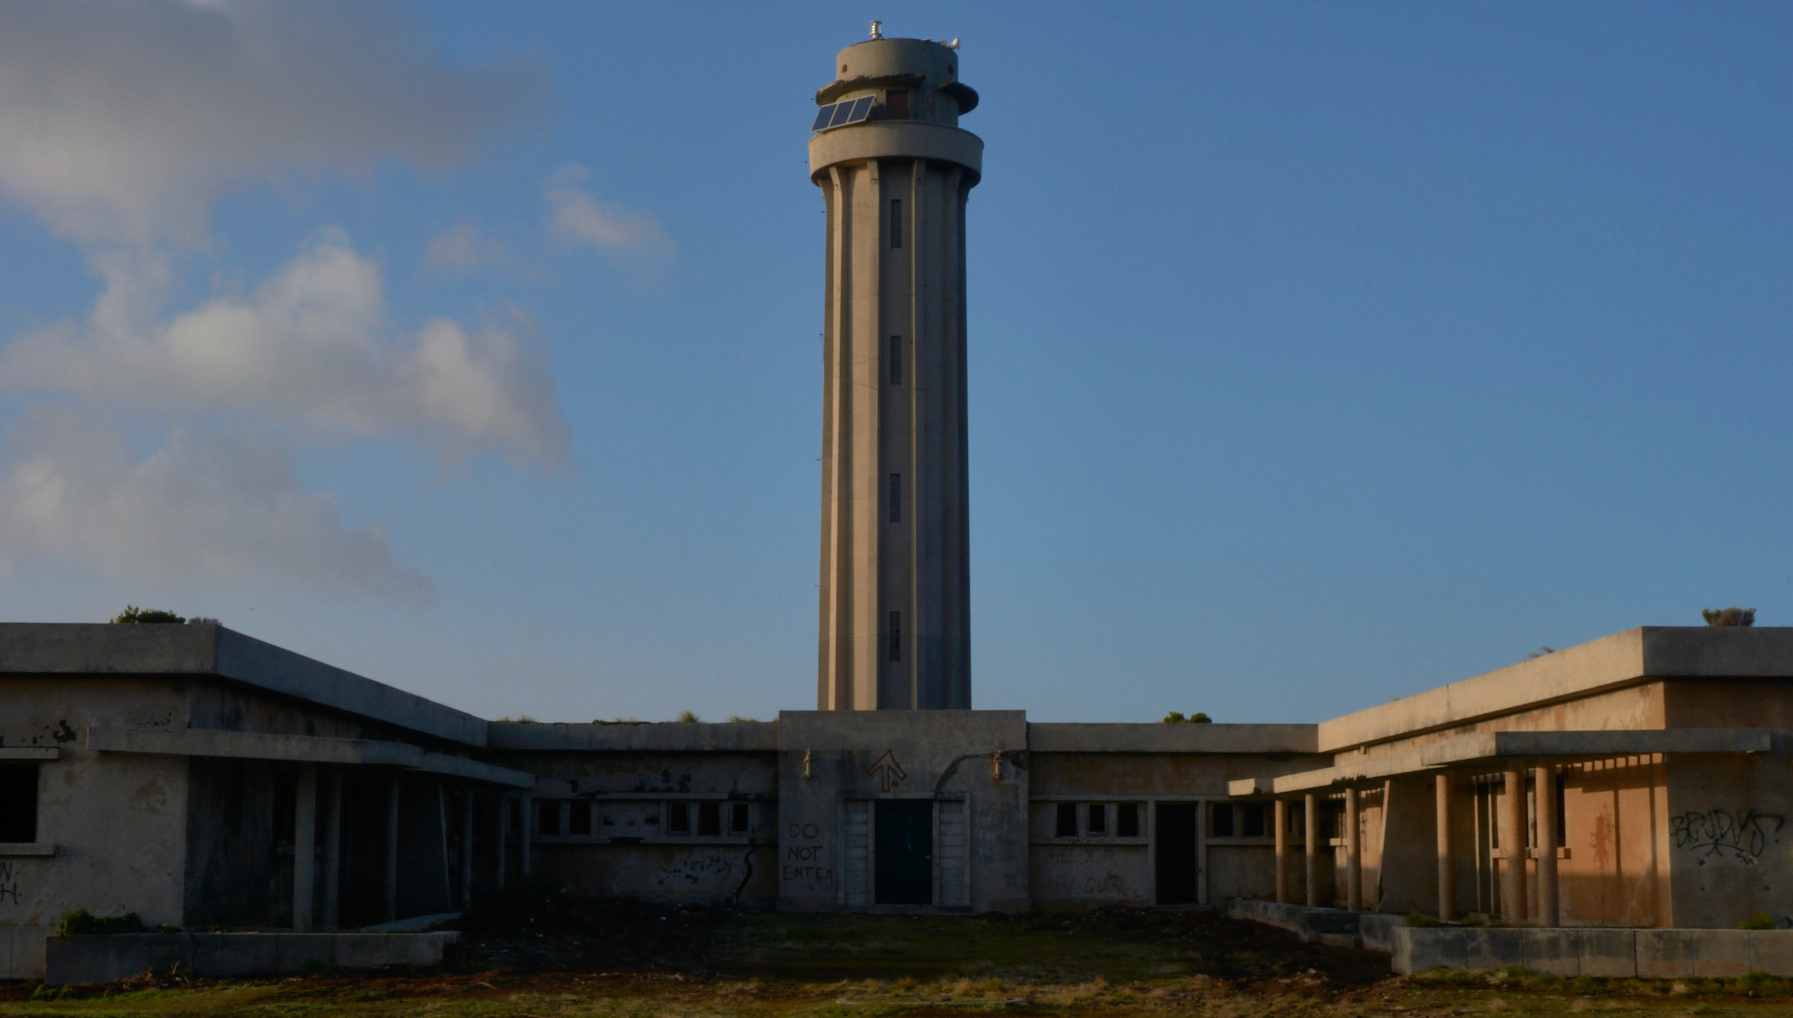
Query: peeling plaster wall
(118,823)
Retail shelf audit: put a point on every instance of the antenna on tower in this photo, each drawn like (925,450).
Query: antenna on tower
(877,29)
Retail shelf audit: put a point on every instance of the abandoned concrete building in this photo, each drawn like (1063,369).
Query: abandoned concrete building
(203,779)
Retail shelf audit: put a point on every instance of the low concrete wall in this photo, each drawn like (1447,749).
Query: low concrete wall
(22,951)
(1607,953)
(1314,925)
(106,958)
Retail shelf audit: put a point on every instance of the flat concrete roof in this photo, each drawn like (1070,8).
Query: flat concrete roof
(1622,659)
(635,736)
(206,649)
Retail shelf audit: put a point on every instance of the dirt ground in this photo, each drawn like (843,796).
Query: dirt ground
(540,955)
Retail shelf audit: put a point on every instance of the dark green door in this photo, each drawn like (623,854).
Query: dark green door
(903,873)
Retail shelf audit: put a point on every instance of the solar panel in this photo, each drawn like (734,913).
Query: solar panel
(841,112)
(822,116)
(861,110)
(849,111)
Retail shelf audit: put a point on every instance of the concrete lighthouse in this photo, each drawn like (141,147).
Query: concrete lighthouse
(895,170)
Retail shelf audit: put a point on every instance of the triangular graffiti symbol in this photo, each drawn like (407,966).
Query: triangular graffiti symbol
(889,772)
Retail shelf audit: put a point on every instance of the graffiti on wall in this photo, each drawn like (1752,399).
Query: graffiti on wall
(1087,872)
(803,849)
(9,884)
(889,773)
(1741,837)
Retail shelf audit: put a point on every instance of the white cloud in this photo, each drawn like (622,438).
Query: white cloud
(121,121)
(204,508)
(306,348)
(465,248)
(625,236)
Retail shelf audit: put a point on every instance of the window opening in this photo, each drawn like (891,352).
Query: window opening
(1098,818)
(1222,826)
(709,819)
(1252,820)
(18,803)
(547,817)
(678,818)
(1126,820)
(1066,826)
(896,105)
(737,818)
(579,818)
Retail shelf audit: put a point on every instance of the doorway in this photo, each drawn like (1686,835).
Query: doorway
(1176,849)
(903,852)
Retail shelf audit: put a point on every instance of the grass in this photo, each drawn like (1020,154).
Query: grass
(760,965)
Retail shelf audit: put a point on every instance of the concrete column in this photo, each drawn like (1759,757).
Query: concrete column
(1447,861)
(333,849)
(391,884)
(467,847)
(305,839)
(1310,848)
(1353,857)
(1512,843)
(1547,838)
(527,811)
(1281,820)
(503,802)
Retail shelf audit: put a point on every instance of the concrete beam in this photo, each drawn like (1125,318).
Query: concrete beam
(1163,738)
(666,736)
(1492,746)
(301,749)
(30,753)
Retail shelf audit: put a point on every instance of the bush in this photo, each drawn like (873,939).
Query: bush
(1732,616)
(1176,717)
(81,923)
(1759,921)
(687,717)
(135,615)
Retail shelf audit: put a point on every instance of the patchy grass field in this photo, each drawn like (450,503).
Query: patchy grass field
(546,956)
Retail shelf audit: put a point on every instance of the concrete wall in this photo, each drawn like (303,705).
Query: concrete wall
(1730,848)
(117,824)
(830,759)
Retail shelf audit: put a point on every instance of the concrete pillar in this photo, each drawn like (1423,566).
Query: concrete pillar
(1310,849)
(333,849)
(1512,843)
(1547,839)
(391,884)
(527,815)
(305,839)
(467,847)
(1281,819)
(503,802)
(1447,861)
(1353,857)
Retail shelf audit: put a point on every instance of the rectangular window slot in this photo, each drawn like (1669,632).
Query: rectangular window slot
(896,105)
(896,636)
(1222,827)
(1098,818)
(547,817)
(896,222)
(1066,827)
(737,818)
(709,819)
(896,360)
(18,803)
(896,498)
(678,818)
(579,818)
(1126,820)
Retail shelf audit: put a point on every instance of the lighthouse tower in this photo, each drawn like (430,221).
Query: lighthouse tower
(895,170)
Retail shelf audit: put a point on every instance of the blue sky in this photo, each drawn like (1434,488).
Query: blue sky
(1320,353)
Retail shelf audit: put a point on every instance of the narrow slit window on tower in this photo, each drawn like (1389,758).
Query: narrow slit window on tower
(896,104)
(896,222)
(896,636)
(896,360)
(896,498)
